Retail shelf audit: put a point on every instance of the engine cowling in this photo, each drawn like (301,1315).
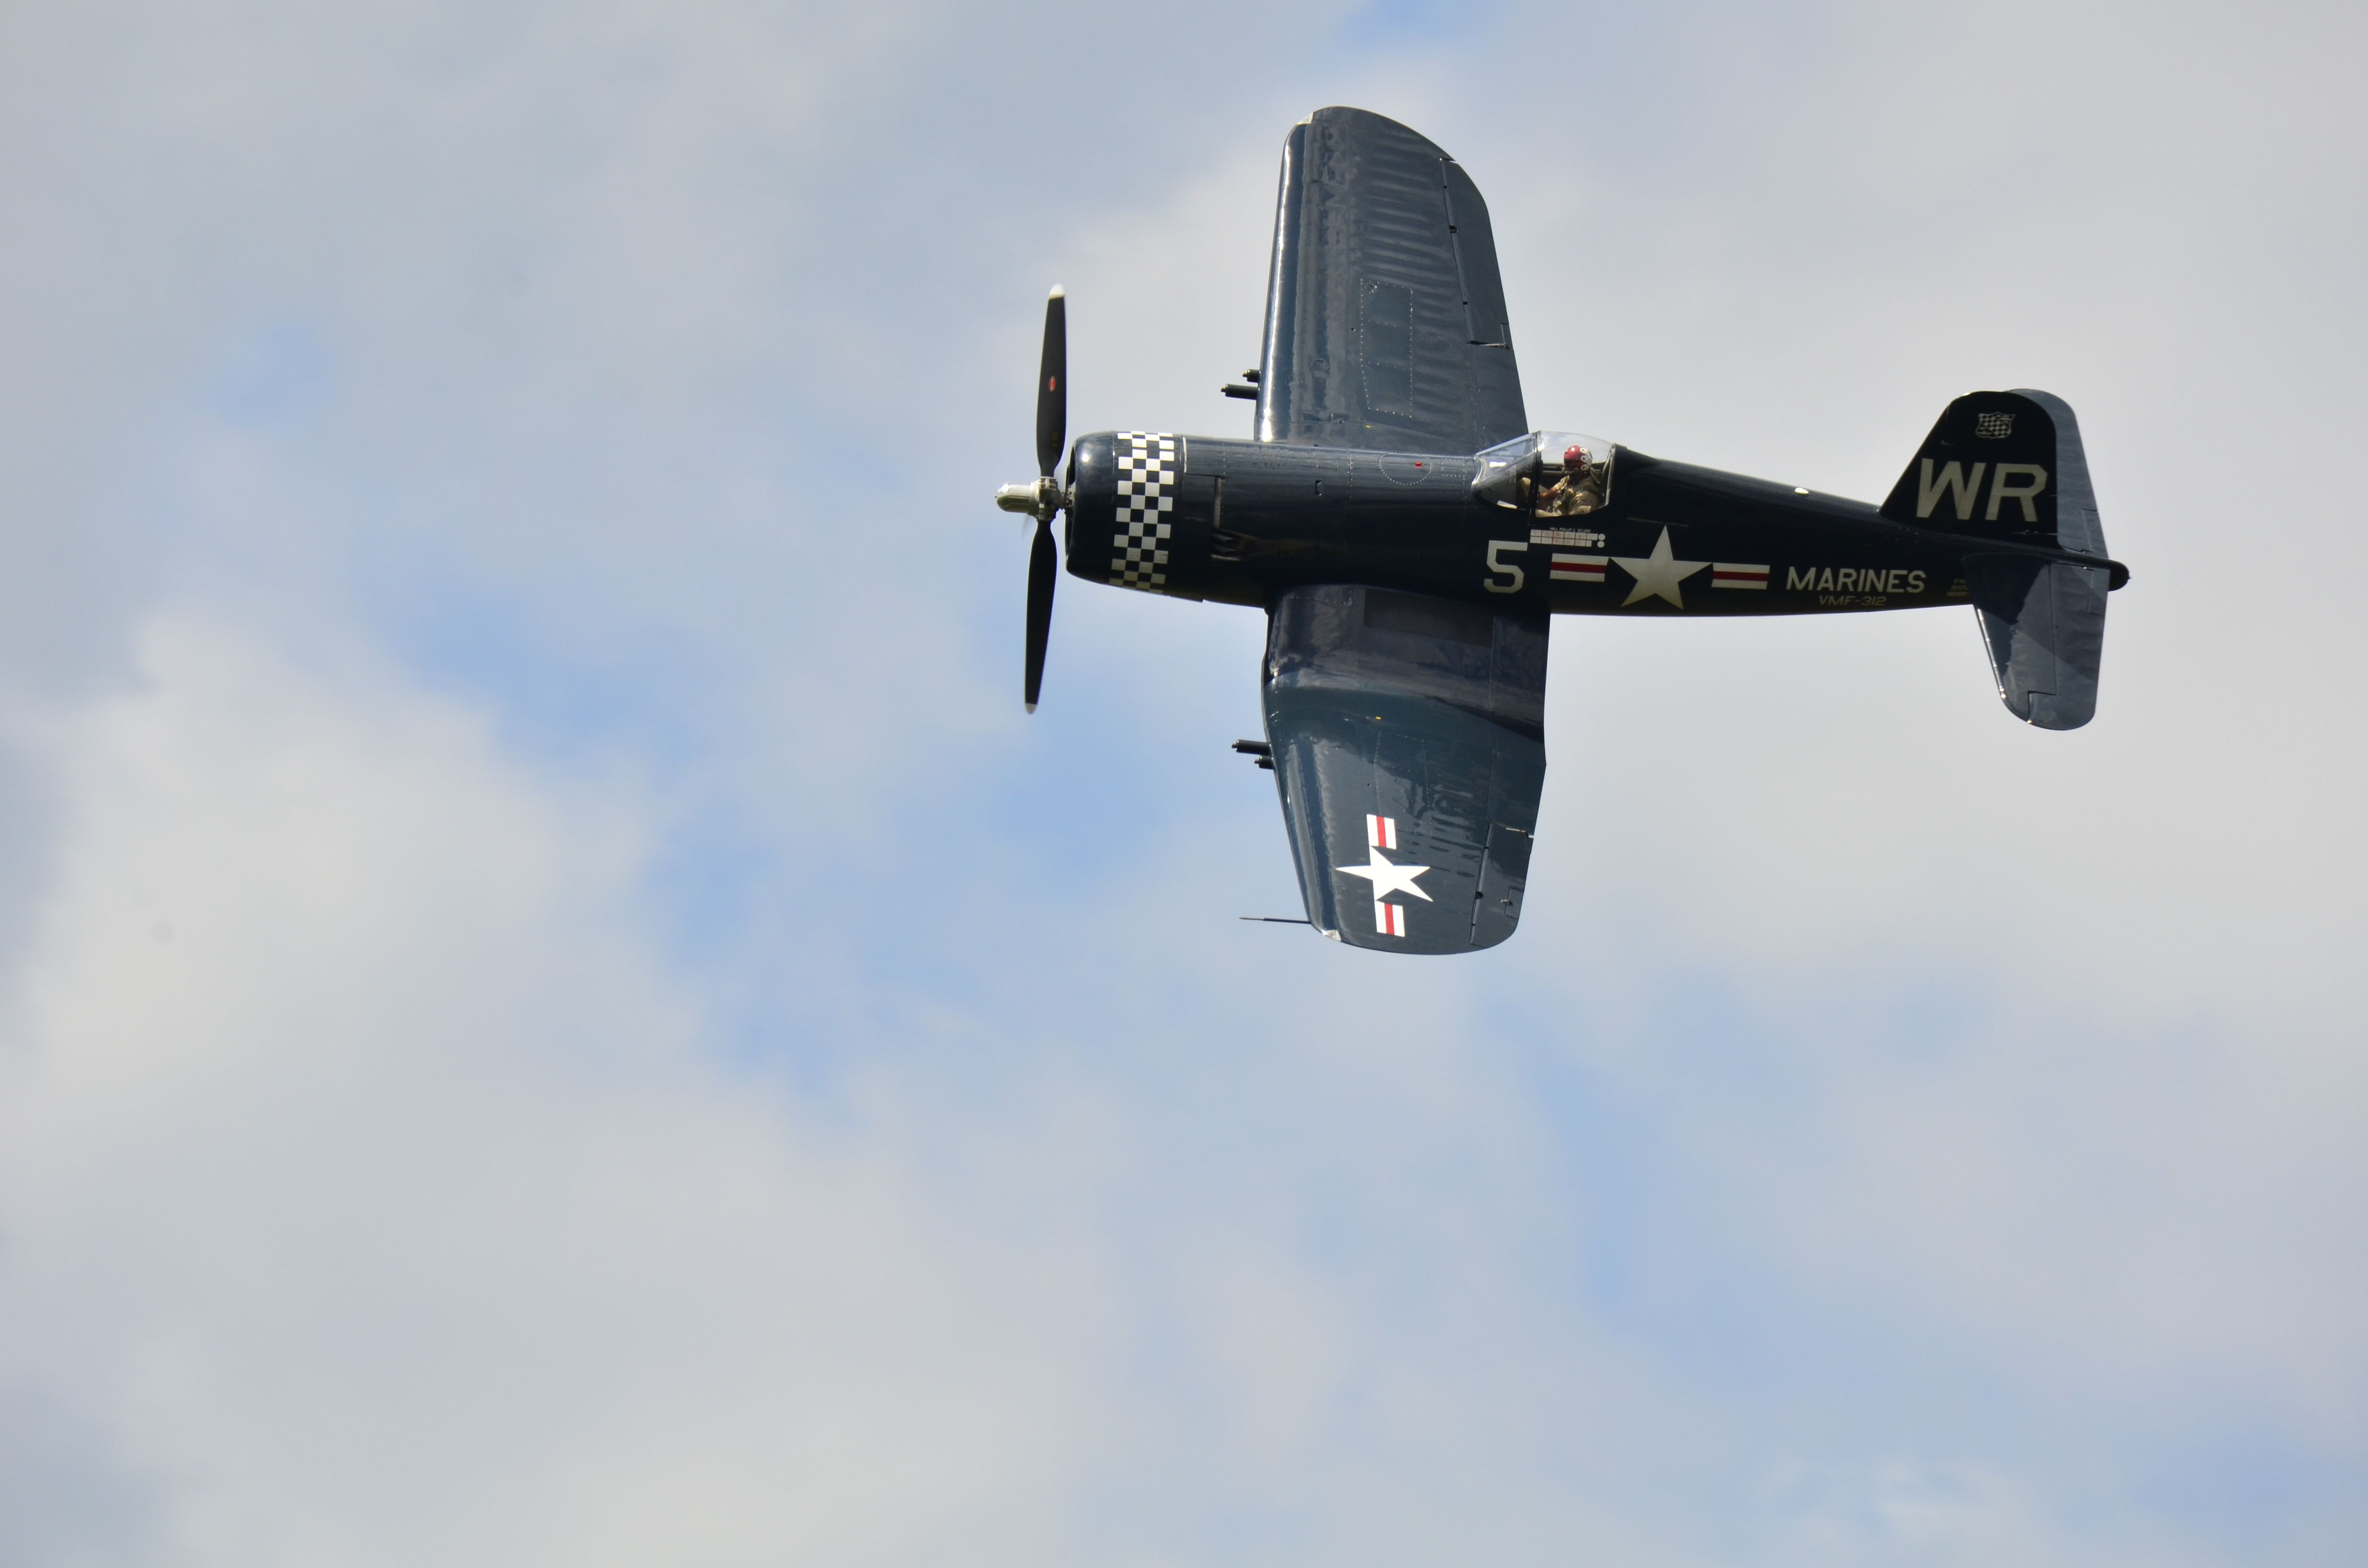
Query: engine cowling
(1138,516)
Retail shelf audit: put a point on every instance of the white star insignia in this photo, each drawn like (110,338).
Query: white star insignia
(1388,878)
(1657,574)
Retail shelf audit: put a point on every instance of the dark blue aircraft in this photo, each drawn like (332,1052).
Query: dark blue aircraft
(1409,537)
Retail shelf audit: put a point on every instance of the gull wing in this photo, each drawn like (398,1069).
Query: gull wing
(1407,746)
(1385,325)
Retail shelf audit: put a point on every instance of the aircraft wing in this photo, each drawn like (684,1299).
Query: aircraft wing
(1386,323)
(1406,739)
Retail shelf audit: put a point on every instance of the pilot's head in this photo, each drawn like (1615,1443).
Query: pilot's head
(1575,459)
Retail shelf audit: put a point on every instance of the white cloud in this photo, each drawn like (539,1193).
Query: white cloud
(364,1180)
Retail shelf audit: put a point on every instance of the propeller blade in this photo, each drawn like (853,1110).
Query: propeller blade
(1052,385)
(1042,571)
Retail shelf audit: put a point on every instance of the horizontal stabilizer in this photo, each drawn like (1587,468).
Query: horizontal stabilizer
(2043,622)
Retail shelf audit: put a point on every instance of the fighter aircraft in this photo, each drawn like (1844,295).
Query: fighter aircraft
(1409,536)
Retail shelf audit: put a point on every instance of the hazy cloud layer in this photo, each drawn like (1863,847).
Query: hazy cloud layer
(557,1012)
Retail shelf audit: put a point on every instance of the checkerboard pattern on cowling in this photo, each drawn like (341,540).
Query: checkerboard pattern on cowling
(1147,463)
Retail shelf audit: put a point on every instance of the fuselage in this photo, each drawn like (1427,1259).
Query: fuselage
(1239,522)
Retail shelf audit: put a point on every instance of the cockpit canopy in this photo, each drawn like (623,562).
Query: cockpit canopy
(1547,473)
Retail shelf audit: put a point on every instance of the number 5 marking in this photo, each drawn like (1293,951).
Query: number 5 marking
(1499,567)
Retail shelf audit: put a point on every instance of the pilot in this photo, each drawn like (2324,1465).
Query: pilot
(1573,492)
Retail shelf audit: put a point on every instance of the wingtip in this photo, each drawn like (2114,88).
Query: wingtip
(1030,706)
(1058,293)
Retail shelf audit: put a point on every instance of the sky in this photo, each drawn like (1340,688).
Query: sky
(553,1009)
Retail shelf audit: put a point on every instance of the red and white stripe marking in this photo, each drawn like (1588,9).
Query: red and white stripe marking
(1589,568)
(1382,833)
(1730,574)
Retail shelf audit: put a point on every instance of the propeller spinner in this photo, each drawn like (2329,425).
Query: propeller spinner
(1043,499)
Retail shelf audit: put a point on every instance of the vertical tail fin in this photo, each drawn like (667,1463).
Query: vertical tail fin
(2009,466)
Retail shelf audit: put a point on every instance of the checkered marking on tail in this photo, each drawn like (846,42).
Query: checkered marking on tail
(1147,466)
